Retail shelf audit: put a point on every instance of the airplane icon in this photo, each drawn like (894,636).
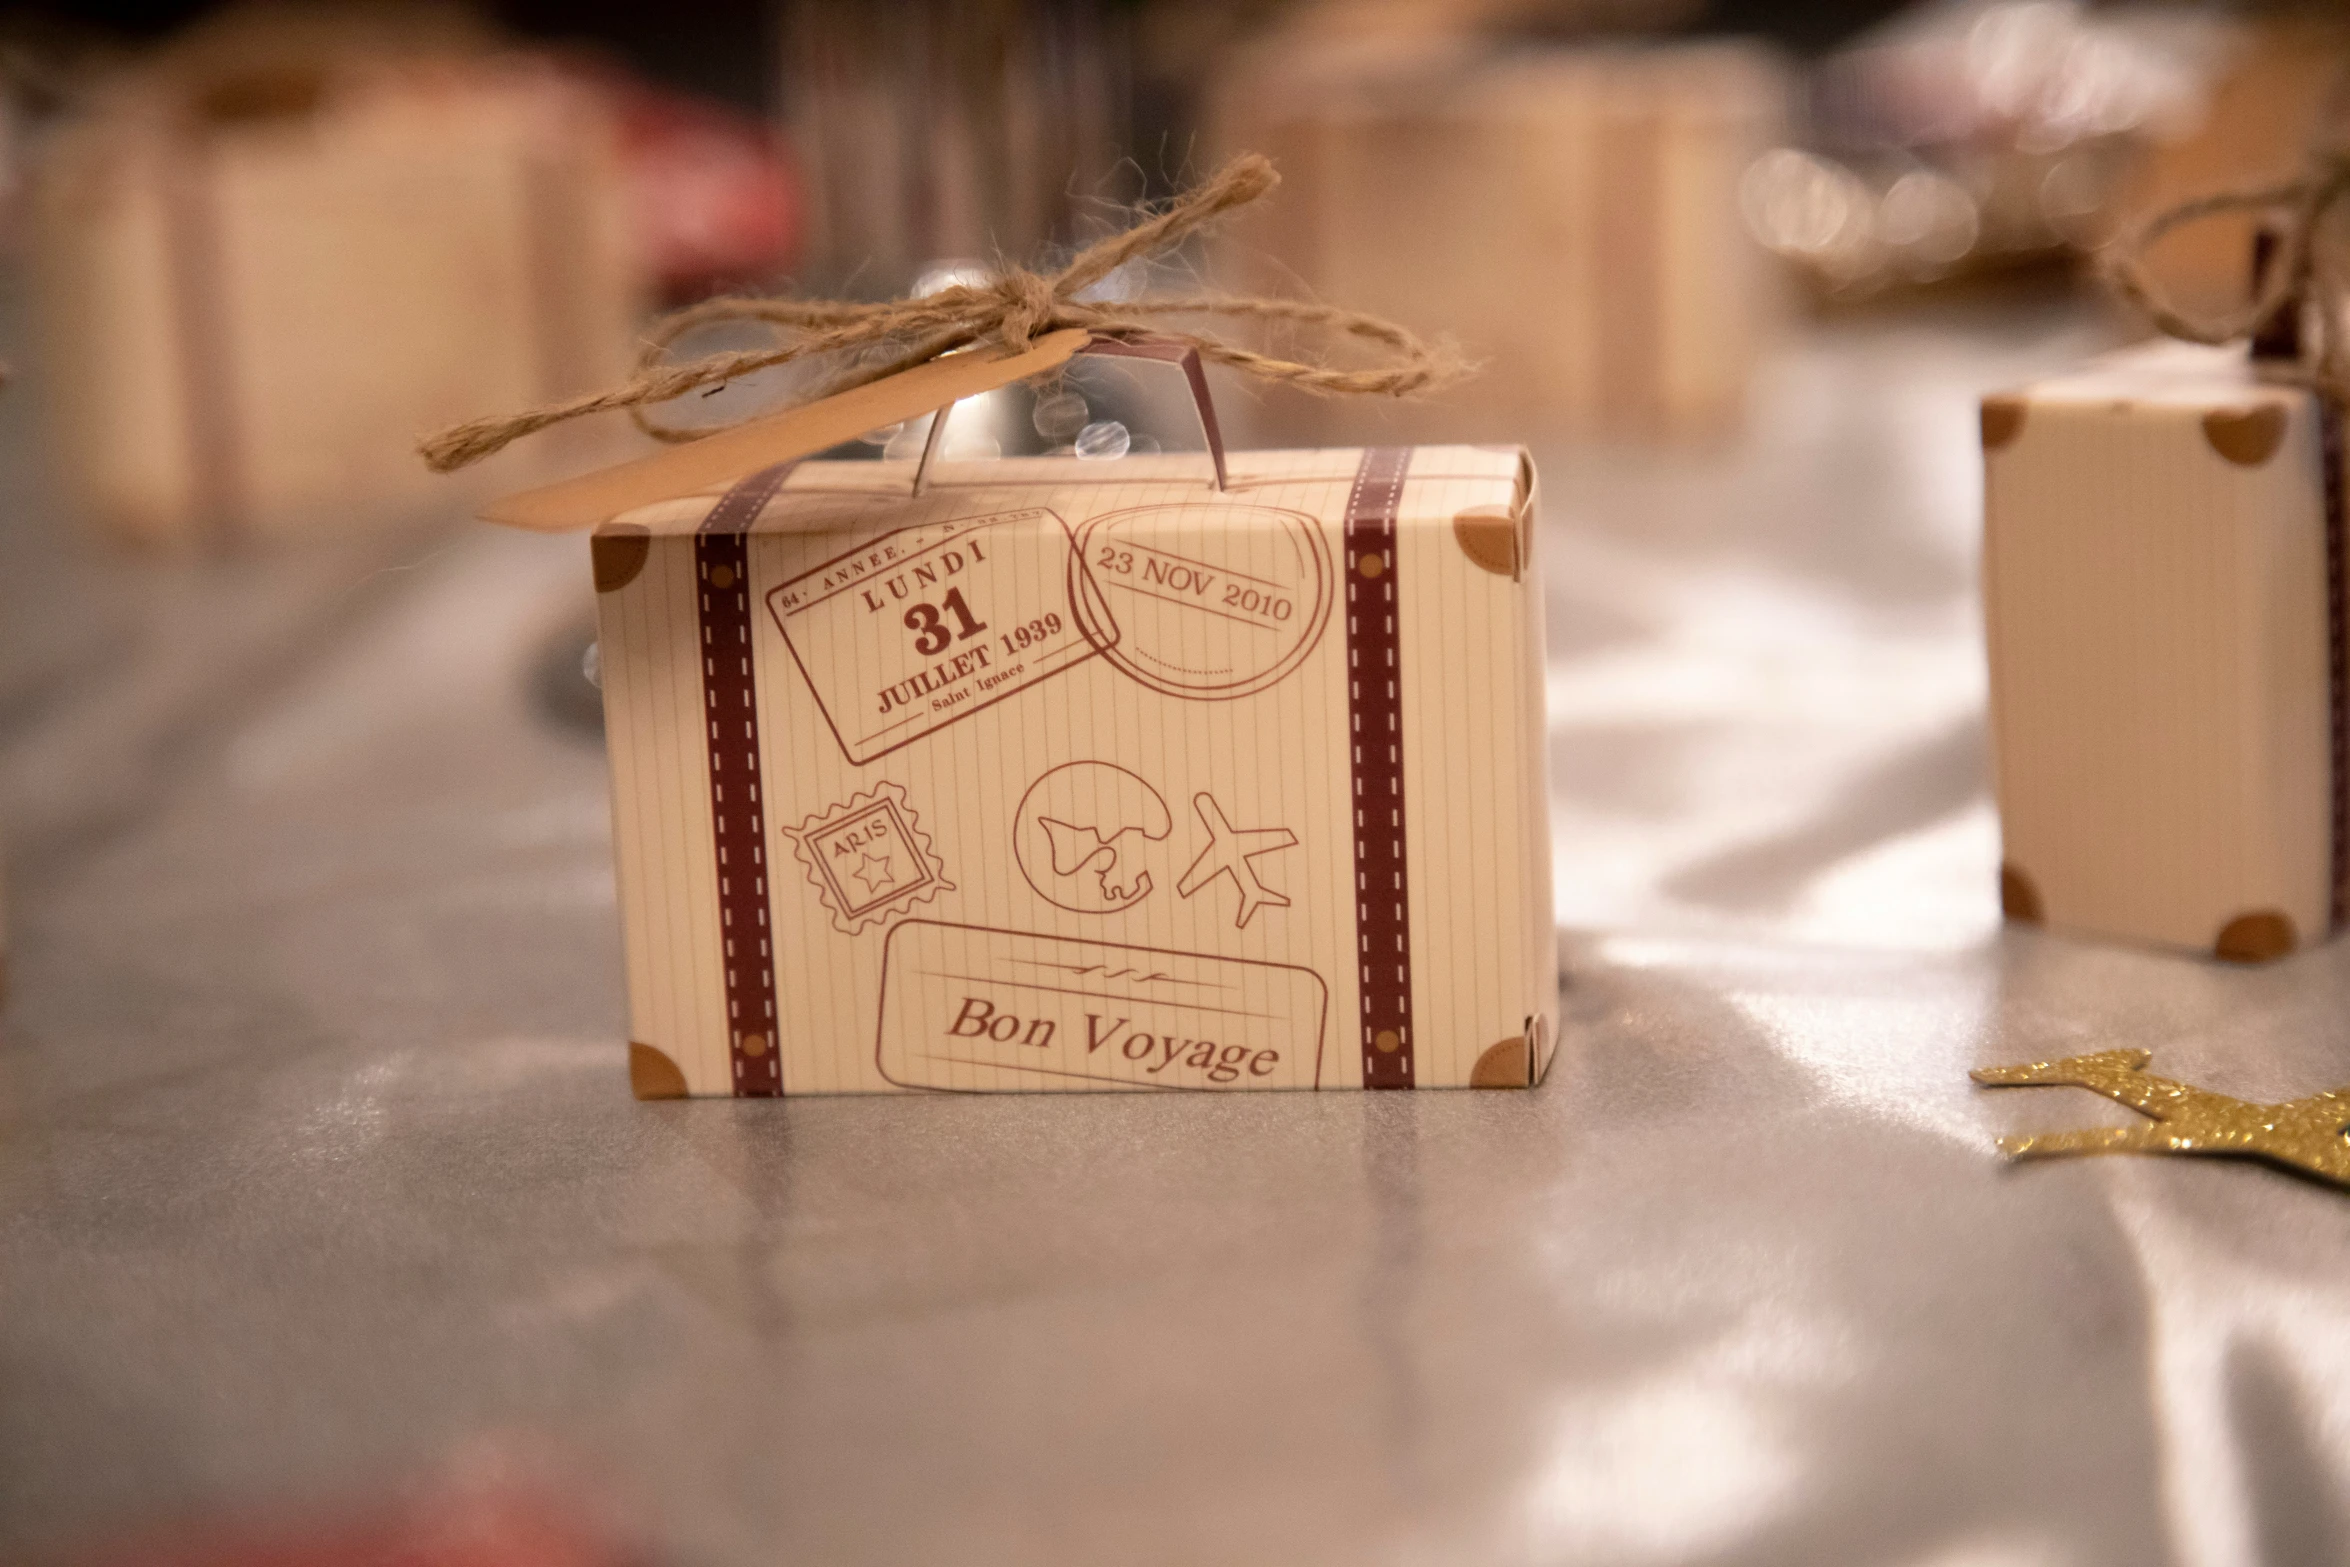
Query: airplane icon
(1228,853)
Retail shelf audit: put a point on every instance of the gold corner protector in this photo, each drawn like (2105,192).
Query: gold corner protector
(653,1075)
(2262,936)
(2003,421)
(1488,535)
(619,554)
(1509,1064)
(2019,897)
(2247,437)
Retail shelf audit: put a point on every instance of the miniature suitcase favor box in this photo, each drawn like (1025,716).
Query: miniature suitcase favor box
(1042,773)
(2163,588)
(1054,773)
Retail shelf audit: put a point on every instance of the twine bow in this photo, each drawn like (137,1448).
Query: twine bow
(1012,309)
(2302,270)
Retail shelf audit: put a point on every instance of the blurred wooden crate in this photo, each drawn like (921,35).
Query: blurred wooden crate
(257,287)
(1569,215)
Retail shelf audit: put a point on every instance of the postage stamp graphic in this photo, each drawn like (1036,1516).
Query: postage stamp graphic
(869,859)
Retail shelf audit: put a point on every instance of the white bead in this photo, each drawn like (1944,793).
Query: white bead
(1104,439)
(1061,415)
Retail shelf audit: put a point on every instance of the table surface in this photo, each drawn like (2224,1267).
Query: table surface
(318,1176)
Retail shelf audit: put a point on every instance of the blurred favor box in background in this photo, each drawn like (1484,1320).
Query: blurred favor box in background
(1959,140)
(1569,215)
(270,257)
(2265,91)
(934,132)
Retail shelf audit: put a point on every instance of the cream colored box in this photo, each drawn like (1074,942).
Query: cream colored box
(1083,775)
(256,287)
(2163,589)
(1570,215)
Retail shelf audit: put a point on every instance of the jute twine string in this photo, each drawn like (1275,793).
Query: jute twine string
(1012,310)
(2304,269)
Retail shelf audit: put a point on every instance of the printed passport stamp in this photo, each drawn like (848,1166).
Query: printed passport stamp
(922,627)
(1212,600)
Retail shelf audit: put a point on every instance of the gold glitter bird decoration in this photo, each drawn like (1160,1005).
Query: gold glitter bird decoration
(2304,1135)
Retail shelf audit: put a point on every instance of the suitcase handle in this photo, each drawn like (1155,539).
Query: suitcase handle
(1166,350)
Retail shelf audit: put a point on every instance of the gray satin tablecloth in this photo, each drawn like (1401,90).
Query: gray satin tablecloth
(318,1174)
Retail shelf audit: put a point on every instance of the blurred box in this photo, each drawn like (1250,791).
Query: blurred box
(2259,122)
(2163,562)
(933,131)
(1571,216)
(1952,140)
(259,277)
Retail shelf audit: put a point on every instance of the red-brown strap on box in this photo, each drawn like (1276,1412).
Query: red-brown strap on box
(2330,415)
(1375,713)
(737,811)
